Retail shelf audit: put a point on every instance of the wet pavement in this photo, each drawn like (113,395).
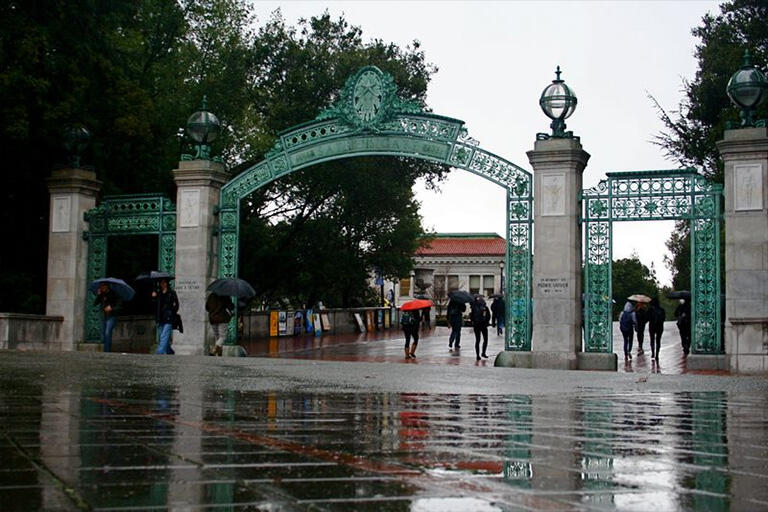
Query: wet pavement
(84,431)
(386,346)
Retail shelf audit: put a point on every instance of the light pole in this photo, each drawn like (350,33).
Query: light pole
(558,101)
(203,128)
(747,88)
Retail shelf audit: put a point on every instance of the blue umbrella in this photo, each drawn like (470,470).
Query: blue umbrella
(119,286)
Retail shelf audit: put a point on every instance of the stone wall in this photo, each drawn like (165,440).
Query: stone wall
(30,332)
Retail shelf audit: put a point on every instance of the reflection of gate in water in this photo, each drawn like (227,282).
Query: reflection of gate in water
(653,195)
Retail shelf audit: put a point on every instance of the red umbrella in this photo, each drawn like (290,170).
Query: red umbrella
(416,304)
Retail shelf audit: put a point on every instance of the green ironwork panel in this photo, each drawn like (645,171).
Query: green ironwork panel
(653,195)
(369,119)
(139,214)
(518,471)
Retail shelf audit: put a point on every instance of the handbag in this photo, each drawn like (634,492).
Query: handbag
(177,324)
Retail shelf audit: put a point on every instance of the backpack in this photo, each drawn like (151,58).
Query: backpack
(625,321)
(408,318)
(477,313)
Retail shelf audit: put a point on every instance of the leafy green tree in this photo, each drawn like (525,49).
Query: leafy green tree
(630,276)
(701,117)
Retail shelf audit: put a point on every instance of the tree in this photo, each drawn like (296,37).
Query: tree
(630,276)
(705,110)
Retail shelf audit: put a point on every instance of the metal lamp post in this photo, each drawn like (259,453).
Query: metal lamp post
(76,139)
(558,101)
(203,127)
(747,88)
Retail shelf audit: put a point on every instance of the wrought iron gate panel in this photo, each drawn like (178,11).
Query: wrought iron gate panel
(653,195)
(140,214)
(377,122)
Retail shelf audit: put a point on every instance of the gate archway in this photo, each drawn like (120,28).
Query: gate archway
(370,119)
(653,195)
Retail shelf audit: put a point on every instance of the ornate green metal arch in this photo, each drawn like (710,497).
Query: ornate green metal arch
(140,214)
(370,119)
(653,195)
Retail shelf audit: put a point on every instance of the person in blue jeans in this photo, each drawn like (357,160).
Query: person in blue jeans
(107,301)
(167,307)
(627,327)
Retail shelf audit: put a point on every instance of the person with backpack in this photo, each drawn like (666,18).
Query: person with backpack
(641,318)
(627,327)
(455,319)
(409,321)
(656,318)
(481,317)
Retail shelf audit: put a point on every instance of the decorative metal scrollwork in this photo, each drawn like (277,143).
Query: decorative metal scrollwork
(126,215)
(653,195)
(370,119)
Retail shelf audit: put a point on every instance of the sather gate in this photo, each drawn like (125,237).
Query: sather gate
(370,119)
(654,195)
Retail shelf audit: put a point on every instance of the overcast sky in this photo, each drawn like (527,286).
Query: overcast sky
(495,58)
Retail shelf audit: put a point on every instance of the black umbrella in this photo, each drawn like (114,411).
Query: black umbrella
(153,275)
(460,296)
(681,294)
(232,287)
(118,286)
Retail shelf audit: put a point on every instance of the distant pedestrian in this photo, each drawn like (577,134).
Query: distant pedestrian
(409,321)
(109,303)
(498,311)
(167,303)
(656,318)
(683,316)
(220,311)
(481,317)
(425,317)
(627,327)
(455,320)
(641,318)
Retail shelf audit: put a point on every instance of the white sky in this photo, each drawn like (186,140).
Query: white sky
(495,58)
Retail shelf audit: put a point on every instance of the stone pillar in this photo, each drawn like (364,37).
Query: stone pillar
(198,184)
(745,155)
(558,165)
(73,192)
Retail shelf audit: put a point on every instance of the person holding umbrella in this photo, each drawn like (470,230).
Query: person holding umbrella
(456,310)
(220,311)
(110,292)
(167,307)
(410,316)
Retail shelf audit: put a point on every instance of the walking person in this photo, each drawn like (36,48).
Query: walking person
(167,307)
(409,321)
(108,302)
(627,327)
(220,311)
(498,310)
(481,317)
(455,320)
(683,316)
(641,318)
(425,317)
(656,318)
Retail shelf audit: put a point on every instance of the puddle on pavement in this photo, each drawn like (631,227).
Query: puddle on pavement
(149,447)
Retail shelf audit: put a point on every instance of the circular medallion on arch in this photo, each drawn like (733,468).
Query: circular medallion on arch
(367,95)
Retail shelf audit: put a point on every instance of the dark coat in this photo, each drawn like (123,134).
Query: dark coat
(456,310)
(481,315)
(108,299)
(219,309)
(167,306)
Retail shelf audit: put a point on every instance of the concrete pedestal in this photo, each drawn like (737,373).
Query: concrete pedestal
(198,184)
(745,155)
(73,192)
(558,165)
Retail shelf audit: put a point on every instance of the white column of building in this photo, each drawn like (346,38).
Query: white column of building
(198,185)
(73,192)
(745,155)
(558,164)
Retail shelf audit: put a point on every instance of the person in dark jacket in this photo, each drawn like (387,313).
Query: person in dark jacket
(627,327)
(167,306)
(108,302)
(455,320)
(498,312)
(220,311)
(641,318)
(656,318)
(409,321)
(481,317)
(683,316)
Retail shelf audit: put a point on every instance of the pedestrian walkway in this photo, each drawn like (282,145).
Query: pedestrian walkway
(387,347)
(85,431)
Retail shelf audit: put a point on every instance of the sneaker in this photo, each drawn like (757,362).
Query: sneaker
(640,351)
(485,356)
